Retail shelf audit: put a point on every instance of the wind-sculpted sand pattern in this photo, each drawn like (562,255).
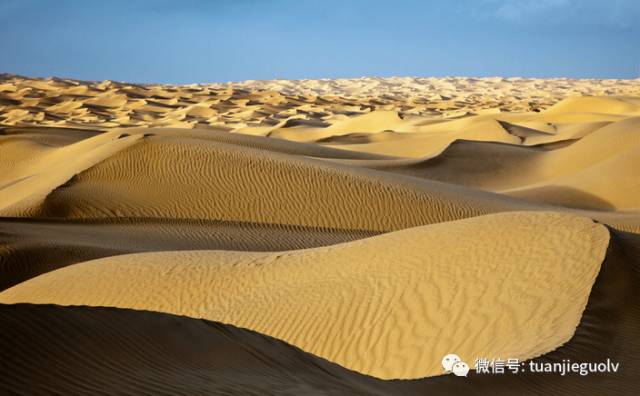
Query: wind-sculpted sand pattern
(370,226)
(511,262)
(154,353)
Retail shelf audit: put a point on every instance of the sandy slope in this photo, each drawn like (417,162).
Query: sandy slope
(495,287)
(569,176)
(32,247)
(33,170)
(150,352)
(107,352)
(194,175)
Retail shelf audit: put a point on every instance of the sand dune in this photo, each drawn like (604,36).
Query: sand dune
(155,178)
(29,178)
(371,298)
(565,176)
(376,224)
(257,106)
(150,352)
(170,174)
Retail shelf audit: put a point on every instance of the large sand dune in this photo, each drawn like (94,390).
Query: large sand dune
(371,298)
(375,223)
(106,350)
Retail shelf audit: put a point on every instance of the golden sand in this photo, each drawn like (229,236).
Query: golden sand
(451,215)
(512,284)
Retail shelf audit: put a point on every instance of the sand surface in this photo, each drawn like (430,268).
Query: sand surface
(375,223)
(493,287)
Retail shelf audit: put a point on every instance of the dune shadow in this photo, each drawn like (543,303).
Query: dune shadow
(564,196)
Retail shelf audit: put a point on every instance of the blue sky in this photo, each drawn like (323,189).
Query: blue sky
(187,41)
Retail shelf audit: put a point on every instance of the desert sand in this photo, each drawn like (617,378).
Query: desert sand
(370,298)
(370,226)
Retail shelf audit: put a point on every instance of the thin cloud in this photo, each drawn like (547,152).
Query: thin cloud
(517,10)
(612,14)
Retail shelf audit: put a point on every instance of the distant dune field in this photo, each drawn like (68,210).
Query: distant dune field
(318,236)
